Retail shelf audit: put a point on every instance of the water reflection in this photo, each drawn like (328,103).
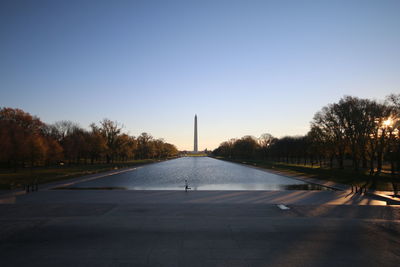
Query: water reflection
(202,173)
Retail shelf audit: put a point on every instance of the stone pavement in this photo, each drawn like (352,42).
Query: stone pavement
(203,228)
(299,197)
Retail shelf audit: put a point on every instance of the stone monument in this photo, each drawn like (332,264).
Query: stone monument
(195,148)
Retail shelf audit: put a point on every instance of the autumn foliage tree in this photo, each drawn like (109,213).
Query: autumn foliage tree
(22,139)
(25,141)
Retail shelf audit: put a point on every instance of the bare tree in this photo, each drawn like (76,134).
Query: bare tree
(110,130)
(265,141)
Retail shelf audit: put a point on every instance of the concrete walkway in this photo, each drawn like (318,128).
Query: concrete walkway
(203,228)
(293,197)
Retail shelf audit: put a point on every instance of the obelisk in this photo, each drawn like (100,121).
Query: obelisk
(195,150)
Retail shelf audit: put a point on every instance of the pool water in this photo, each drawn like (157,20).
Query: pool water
(202,173)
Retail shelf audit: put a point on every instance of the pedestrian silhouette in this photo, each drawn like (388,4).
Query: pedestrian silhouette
(187,186)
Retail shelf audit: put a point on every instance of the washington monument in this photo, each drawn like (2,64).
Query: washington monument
(195,149)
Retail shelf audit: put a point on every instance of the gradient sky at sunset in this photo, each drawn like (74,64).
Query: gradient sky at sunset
(245,67)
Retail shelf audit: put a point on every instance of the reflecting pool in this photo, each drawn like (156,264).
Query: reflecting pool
(202,173)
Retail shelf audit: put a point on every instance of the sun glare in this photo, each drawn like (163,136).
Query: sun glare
(388,122)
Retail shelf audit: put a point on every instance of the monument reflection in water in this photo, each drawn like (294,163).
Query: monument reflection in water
(202,173)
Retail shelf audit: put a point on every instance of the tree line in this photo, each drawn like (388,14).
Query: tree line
(364,132)
(27,141)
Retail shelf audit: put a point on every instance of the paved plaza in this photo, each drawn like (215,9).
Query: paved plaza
(198,228)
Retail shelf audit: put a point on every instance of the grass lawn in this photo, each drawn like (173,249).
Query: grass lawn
(343,176)
(13,180)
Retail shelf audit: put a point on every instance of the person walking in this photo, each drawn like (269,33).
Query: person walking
(186,185)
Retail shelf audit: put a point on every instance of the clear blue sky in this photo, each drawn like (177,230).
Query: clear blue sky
(245,67)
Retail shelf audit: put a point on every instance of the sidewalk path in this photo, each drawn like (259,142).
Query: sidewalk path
(203,228)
